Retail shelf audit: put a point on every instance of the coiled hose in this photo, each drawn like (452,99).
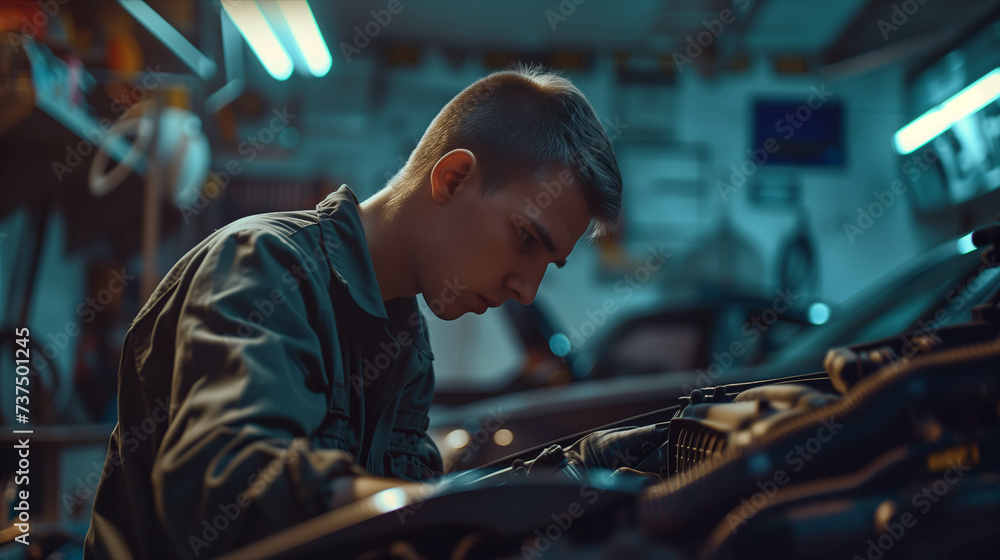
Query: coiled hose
(878,413)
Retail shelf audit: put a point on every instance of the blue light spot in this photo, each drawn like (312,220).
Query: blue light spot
(559,344)
(289,138)
(819,313)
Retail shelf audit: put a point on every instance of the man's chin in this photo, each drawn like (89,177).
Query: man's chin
(449,313)
(444,312)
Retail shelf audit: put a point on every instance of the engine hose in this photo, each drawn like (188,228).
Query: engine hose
(873,416)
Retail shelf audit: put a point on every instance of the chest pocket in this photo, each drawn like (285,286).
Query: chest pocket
(408,455)
(337,431)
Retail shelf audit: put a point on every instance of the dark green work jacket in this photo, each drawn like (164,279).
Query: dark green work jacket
(264,366)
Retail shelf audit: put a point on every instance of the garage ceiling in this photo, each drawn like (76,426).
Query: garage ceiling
(596,24)
(800,26)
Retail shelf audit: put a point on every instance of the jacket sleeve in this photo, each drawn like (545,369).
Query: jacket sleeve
(236,462)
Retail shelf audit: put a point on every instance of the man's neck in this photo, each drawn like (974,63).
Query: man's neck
(385,234)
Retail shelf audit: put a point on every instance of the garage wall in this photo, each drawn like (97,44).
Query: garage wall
(695,111)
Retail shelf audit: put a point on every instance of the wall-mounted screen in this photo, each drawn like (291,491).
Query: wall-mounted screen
(799,133)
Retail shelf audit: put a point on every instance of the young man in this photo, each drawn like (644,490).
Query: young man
(282,368)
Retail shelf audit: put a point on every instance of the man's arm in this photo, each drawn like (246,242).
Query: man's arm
(249,381)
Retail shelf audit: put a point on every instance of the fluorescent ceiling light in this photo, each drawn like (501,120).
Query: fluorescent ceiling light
(965,245)
(254,27)
(928,126)
(299,18)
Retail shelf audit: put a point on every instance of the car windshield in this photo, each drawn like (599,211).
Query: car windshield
(895,302)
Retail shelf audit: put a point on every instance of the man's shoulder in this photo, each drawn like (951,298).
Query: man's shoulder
(294,234)
(279,224)
(330,228)
(300,232)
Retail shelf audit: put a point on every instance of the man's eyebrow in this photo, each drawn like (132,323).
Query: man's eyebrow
(546,239)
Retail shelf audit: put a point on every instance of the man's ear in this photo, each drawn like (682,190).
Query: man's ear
(450,173)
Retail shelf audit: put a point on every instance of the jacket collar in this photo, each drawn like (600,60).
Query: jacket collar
(350,262)
(347,250)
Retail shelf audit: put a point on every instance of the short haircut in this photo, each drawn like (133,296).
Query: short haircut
(519,123)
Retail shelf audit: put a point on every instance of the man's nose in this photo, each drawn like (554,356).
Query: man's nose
(526,295)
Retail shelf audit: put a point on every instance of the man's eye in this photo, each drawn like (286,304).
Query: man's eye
(526,237)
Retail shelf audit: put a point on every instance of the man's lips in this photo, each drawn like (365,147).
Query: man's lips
(483,304)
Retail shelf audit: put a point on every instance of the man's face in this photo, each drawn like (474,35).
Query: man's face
(481,251)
